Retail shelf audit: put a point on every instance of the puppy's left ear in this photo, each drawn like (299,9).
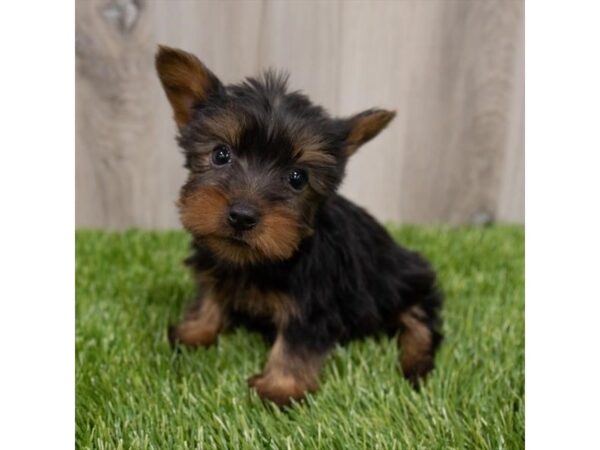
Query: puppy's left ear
(365,126)
(186,81)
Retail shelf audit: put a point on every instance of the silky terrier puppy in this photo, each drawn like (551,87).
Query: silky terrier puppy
(275,248)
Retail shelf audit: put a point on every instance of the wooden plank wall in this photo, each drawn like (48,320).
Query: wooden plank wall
(453,70)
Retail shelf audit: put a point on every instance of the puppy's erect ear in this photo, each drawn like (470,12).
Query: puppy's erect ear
(365,126)
(186,81)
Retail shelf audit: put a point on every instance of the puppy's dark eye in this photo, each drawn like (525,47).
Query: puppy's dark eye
(221,155)
(298,179)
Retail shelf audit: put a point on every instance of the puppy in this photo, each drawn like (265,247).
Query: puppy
(275,248)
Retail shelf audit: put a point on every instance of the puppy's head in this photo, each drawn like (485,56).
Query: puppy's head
(261,160)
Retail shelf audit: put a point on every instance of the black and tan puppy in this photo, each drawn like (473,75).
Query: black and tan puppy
(275,248)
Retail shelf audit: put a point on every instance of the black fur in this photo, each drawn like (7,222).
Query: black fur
(350,280)
(345,278)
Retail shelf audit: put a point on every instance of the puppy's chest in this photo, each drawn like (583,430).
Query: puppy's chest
(241,295)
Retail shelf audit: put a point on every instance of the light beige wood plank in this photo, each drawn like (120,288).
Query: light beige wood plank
(114,136)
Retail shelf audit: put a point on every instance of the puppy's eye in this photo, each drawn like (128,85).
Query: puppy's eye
(298,179)
(221,155)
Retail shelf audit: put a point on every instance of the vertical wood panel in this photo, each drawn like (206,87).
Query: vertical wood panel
(511,201)
(459,120)
(114,116)
(453,70)
(375,73)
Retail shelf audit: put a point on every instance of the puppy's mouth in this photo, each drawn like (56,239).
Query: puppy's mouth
(238,240)
(234,248)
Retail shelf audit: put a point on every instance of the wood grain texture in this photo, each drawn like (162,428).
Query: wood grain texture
(452,69)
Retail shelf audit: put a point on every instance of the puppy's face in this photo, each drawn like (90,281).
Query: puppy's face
(261,160)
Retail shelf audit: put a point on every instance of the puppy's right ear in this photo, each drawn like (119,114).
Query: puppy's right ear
(186,81)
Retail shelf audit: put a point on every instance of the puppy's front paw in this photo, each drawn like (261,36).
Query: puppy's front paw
(279,388)
(253,379)
(193,333)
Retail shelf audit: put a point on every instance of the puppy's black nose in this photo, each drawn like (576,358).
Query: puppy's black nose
(242,217)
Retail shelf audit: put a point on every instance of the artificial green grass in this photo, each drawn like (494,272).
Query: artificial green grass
(134,392)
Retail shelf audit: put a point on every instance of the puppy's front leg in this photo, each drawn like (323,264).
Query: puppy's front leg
(290,373)
(202,324)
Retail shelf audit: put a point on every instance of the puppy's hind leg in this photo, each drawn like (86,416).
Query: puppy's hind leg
(418,340)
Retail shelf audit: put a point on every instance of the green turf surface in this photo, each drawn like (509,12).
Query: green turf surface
(133,392)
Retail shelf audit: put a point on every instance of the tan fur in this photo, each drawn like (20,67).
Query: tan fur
(415,342)
(202,326)
(237,253)
(309,150)
(279,234)
(316,156)
(224,127)
(185,80)
(202,212)
(365,127)
(287,376)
